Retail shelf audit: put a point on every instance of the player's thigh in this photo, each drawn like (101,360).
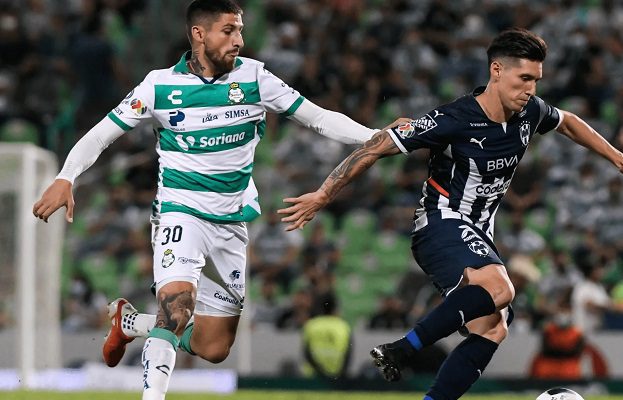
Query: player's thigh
(221,289)
(446,247)
(493,327)
(180,249)
(213,334)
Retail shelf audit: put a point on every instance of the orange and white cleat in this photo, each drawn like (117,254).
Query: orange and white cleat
(114,345)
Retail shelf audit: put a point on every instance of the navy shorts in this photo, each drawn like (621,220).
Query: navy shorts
(445,247)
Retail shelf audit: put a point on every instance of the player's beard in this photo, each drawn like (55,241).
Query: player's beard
(222,64)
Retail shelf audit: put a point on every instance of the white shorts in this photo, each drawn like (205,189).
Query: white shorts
(211,256)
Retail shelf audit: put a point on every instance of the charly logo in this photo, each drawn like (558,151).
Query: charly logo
(173,94)
(524,133)
(138,107)
(235,94)
(168,259)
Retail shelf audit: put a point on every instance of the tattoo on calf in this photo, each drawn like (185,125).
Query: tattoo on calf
(174,311)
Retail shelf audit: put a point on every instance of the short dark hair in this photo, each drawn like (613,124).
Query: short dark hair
(517,43)
(202,9)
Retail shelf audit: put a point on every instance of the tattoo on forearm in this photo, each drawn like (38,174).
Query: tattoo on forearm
(174,311)
(379,146)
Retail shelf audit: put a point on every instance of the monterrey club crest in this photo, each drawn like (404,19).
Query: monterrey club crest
(524,133)
(235,94)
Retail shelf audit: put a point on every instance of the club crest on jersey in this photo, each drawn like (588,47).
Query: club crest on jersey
(235,94)
(138,107)
(168,259)
(524,133)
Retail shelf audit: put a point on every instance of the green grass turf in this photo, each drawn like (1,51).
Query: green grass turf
(263,395)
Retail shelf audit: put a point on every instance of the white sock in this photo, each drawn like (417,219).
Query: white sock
(137,325)
(158,364)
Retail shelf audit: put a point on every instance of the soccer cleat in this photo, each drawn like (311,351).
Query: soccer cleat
(116,340)
(390,359)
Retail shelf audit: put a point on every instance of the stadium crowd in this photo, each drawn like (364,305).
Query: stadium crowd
(65,64)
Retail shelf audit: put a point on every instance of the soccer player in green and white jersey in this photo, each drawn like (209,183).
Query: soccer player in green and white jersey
(210,111)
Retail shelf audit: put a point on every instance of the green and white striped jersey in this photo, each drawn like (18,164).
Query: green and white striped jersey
(207,134)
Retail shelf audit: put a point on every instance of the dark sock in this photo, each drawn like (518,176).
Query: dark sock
(461,306)
(462,368)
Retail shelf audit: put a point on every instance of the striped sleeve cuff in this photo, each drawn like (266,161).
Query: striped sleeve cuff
(119,122)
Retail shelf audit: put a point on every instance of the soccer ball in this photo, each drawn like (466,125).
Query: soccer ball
(559,394)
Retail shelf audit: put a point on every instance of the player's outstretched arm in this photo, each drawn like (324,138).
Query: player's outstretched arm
(334,125)
(304,208)
(82,156)
(582,133)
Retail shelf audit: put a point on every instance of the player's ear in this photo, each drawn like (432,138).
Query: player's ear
(494,69)
(197,33)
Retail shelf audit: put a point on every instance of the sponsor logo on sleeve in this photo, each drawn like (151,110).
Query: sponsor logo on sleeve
(138,107)
(424,124)
(405,131)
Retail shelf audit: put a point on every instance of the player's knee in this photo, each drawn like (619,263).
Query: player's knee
(174,311)
(498,332)
(504,293)
(493,279)
(214,352)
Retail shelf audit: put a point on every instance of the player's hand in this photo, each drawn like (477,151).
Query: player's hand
(303,209)
(398,122)
(57,195)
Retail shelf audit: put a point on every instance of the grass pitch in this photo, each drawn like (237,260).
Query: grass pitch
(263,395)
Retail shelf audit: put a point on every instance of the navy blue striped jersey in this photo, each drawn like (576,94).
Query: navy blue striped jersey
(472,159)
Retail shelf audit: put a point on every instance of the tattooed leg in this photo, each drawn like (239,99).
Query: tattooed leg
(176,303)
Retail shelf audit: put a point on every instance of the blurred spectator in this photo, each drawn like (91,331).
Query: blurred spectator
(590,299)
(265,310)
(327,343)
(563,347)
(556,284)
(294,316)
(84,308)
(524,274)
(273,254)
(390,314)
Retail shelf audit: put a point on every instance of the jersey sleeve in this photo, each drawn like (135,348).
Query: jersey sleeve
(431,131)
(136,107)
(276,95)
(550,117)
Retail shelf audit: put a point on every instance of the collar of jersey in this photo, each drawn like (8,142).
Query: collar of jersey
(183,68)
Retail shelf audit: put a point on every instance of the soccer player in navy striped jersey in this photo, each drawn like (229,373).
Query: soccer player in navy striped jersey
(475,145)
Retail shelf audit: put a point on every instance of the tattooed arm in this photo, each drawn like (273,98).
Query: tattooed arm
(304,208)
